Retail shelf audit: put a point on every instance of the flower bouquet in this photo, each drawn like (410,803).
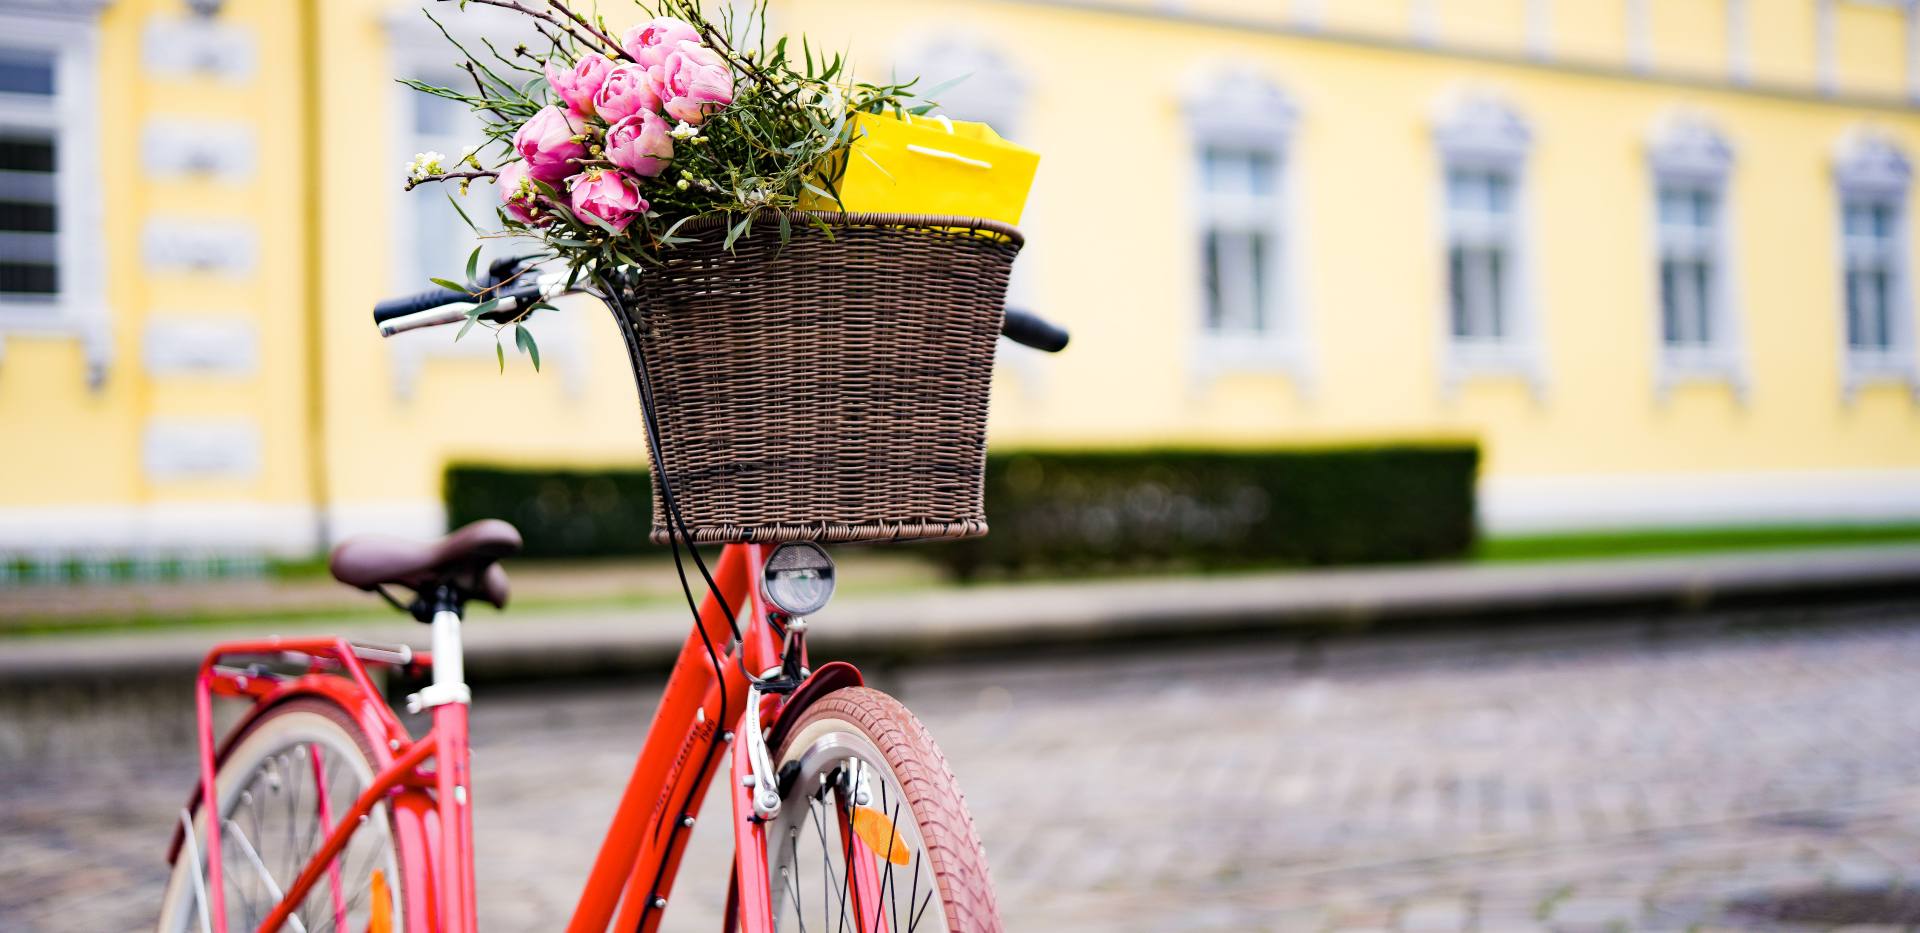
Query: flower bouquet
(829,382)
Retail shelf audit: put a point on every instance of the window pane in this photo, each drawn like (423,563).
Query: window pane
(1257,263)
(1457,290)
(1670,301)
(1496,293)
(1499,193)
(435,116)
(1466,191)
(1702,292)
(27,154)
(33,218)
(1235,171)
(29,215)
(1216,314)
(26,278)
(23,72)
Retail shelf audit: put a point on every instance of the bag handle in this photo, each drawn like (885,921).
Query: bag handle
(950,156)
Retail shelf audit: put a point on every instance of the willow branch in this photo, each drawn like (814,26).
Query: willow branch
(599,41)
(413,183)
(718,41)
(603,37)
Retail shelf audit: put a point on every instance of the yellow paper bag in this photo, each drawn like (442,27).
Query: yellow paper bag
(933,165)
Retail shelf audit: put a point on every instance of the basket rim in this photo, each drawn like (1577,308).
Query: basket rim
(720,220)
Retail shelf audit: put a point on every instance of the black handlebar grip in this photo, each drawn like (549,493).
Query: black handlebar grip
(411,304)
(1028,329)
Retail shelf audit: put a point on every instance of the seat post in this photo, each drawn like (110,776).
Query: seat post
(449,656)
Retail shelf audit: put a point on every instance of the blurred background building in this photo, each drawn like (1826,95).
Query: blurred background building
(1654,256)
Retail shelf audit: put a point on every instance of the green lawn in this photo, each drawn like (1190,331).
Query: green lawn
(1689,541)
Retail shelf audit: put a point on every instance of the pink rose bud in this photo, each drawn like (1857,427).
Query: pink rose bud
(625,93)
(518,197)
(609,195)
(578,85)
(650,43)
(640,144)
(548,145)
(692,82)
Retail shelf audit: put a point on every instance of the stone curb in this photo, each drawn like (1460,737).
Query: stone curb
(1071,615)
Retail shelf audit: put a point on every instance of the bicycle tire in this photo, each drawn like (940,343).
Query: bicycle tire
(280,739)
(854,720)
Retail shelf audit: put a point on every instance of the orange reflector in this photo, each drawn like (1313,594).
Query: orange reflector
(381,920)
(879,833)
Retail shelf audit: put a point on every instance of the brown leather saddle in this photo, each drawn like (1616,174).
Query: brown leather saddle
(467,560)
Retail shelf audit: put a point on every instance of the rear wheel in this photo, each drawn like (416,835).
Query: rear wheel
(286,781)
(863,782)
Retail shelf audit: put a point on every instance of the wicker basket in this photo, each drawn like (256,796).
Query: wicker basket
(831,389)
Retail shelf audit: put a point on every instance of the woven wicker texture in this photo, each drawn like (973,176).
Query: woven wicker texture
(831,389)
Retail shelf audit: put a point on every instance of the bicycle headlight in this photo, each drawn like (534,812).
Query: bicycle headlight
(798,578)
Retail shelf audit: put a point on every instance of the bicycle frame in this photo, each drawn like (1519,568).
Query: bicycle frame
(432,807)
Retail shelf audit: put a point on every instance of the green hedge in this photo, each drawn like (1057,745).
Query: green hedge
(1071,512)
(561,513)
(1077,511)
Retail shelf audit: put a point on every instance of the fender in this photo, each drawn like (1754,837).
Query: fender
(831,676)
(370,713)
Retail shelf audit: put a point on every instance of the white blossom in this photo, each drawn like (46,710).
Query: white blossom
(426,164)
(684,131)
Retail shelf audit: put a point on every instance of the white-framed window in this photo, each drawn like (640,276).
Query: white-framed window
(52,266)
(1249,312)
(1483,246)
(1873,178)
(1487,307)
(1696,315)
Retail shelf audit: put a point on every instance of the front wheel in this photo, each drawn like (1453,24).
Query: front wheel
(862,781)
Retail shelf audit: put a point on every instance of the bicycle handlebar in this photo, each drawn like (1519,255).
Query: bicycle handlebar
(498,271)
(1031,330)
(1021,327)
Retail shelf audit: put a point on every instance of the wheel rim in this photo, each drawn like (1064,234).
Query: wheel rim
(808,845)
(272,823)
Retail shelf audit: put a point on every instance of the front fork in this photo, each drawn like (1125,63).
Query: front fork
(757,800)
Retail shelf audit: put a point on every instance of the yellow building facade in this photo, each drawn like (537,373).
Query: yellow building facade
(1654,256)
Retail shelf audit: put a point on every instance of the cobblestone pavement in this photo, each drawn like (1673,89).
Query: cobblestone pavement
(1536,781)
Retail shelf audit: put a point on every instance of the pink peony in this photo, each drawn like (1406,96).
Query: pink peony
(640,144)
(548,143)
(609,195)
(650,43)
(518,197)
(627,91)
(578,85)
(692,82)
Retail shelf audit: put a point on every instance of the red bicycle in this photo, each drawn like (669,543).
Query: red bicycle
(333,816)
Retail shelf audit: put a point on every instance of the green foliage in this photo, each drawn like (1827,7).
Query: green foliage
(560,513)
(781,140)
(1076,512)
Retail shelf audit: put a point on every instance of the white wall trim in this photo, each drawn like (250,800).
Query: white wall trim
(162,528)
(1540,29)
(1544,504)
(1739,41)
(406,518)
(167,527)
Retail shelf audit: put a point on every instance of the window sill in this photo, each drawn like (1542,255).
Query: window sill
(36,320)
(1486,359)
(1681,367)
(1216,355)
(1868,370)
